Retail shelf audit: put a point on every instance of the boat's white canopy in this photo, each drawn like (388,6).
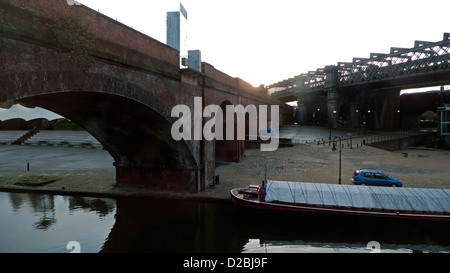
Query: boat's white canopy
(390,198)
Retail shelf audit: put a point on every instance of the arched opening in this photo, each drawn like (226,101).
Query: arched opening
(419,107)
(317,116)
(344,115)
(132,123)
(369,113)
(136,136)
(429,120)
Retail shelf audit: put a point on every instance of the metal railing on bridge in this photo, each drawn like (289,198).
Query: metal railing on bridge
(424,57)
(377,138)
(359,138)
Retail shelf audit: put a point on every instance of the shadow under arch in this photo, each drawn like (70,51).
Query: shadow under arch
(132,124)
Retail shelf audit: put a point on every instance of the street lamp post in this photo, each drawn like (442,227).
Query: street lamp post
(330,129)
(330,121)
(340,153)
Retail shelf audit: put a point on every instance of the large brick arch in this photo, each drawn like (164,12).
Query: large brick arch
(132,124)
(101,73)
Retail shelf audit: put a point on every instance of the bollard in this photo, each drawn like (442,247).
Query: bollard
(28,166)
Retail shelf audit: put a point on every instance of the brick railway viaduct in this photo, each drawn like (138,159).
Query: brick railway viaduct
(120,85)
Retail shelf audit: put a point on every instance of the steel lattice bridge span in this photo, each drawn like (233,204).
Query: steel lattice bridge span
(367,90)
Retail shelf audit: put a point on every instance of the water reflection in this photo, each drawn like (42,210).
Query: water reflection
(148,225)
(263,246)
(42,205)
(153,225)
(101,206)
(46,223)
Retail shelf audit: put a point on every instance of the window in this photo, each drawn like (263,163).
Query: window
(445,120)
(380,176)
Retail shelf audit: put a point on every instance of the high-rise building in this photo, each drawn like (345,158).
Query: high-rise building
(195,60)
(177,39)
(177,30)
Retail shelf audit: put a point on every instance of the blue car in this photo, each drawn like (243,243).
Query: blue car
(373,177)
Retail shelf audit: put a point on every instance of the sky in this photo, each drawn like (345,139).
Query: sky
(266,41)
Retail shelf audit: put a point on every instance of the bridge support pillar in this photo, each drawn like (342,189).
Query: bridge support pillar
(229,150)
(178,180)
(392,109)
(301,113)
(332,94)
(301,103)
(354,114)
(332,109)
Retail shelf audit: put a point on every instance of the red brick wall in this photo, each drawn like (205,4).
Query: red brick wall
(129,44)
(220,81)
(127,41)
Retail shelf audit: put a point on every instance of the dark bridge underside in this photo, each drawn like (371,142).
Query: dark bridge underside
(136,136)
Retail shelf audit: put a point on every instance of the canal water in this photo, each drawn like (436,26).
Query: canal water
(36,223)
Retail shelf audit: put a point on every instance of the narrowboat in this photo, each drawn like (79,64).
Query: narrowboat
(298,200)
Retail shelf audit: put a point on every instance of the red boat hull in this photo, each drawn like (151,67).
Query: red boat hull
(305,212)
